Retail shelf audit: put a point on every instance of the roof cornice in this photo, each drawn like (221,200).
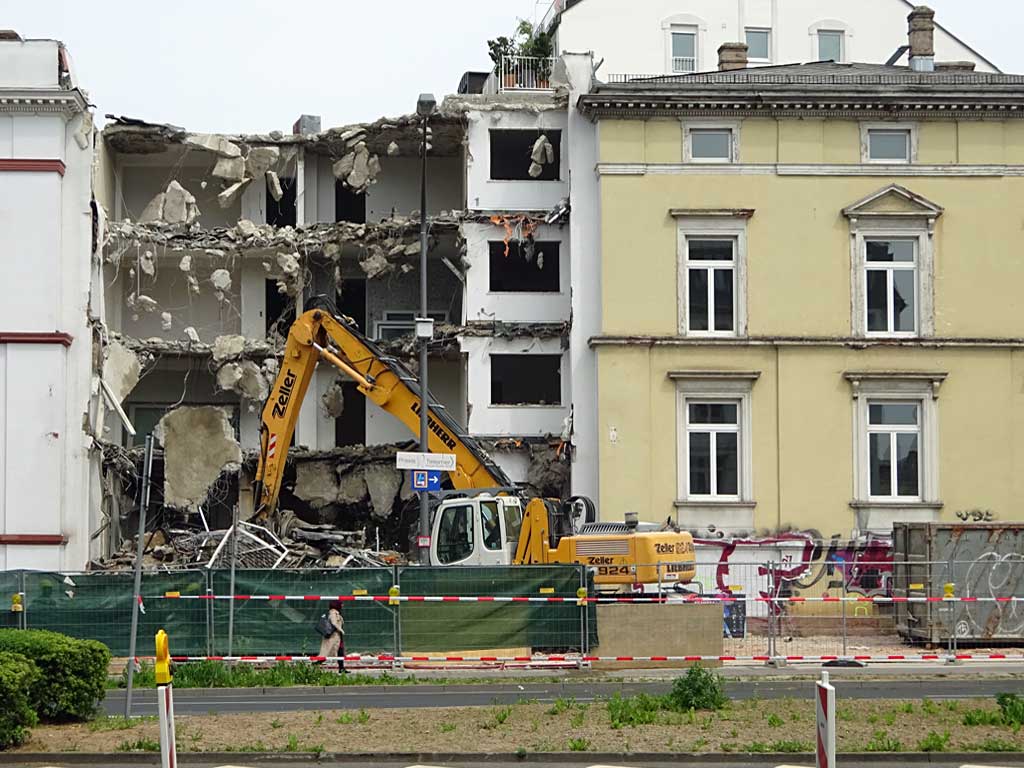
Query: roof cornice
(42,101)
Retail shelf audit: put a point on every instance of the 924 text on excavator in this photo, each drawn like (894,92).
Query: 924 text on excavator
(485,525)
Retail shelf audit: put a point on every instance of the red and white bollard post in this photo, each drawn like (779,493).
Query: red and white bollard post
(165,702)
(825,706)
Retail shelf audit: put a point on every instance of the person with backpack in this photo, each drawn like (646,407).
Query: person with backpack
(331,627)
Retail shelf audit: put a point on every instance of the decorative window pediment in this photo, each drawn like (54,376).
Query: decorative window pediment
(894,200)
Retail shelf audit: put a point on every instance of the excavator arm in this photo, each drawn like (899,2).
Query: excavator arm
(316,335)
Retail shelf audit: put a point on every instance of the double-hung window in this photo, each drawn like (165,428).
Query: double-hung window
(711,285)
(759,45)
(891,286)
(894,447)
(713,448)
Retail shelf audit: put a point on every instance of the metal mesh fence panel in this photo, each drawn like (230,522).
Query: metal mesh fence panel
(10,585)
(491,626)
(98,606)
(288,627)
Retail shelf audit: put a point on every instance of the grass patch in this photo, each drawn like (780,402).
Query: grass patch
(139,745)
(934,742)
(774,721)
(118,723)
(882,742)
(212,674)
(1011,707)
(579,745)
(634,710)
(996,745)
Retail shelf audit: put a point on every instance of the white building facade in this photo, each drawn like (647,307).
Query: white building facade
(49,396)
(665,37)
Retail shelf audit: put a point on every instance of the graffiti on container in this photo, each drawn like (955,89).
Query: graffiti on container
(993,575)
(977,515)
(788,564)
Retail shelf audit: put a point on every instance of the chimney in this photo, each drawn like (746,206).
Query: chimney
(732,56)
(306,124)
(922,39)
(954,66)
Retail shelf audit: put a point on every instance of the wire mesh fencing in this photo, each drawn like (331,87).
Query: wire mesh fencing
(751,611)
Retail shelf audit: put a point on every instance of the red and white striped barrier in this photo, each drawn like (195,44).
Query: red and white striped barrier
(695,599)
(586,658)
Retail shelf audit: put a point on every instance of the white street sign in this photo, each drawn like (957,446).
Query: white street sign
(444,462)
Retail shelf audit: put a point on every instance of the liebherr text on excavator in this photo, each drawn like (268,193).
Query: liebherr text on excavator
(486,525)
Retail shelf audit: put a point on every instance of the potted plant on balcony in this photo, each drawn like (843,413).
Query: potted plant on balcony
(538,46)
(500,49)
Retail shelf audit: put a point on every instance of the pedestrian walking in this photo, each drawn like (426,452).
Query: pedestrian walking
(331,626)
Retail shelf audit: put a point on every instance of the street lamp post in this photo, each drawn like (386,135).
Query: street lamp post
(425,106)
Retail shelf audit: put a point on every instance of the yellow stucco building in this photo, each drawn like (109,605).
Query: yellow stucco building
(812,313)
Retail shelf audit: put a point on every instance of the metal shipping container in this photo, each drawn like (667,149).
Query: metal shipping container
(984,560)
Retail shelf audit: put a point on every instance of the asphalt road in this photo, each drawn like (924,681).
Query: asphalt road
(191,701)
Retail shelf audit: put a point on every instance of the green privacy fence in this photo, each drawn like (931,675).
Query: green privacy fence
(99,606)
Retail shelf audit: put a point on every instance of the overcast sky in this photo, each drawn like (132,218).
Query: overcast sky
(234,66)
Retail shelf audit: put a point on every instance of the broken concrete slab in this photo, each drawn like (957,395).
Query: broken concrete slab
(227,198)
(121,369)
(179,205)
(393,149)
(199,443)
(274,186)
(146,263)
(229,168)
(316,483)
(383,483)
(244,377)
(374,263)
(228,347)
(260,160)
(342,168)
(154,210)
(215,143)
(246,228)
(221,280)
(166,321)
(360,175)
(333,399)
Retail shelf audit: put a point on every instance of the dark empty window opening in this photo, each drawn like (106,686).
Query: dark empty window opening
(280,310)
(530,267)
(511,152)
(526,379)
(281,213)
(348,205)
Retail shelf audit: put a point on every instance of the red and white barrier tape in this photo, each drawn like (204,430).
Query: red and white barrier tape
(575,659)
(695,599)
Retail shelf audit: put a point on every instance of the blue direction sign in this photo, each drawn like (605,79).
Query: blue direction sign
(426,480)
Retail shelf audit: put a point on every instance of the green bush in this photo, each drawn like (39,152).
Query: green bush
(1011,706)
(18,678)
(698,689)
(74,672)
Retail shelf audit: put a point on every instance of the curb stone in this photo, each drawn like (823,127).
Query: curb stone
(893,759)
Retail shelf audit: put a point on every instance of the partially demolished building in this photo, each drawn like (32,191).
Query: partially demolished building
(216,242)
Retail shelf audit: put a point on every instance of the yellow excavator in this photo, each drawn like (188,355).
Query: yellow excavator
(482,521)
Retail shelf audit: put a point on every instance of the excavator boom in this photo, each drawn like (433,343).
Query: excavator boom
(316,335)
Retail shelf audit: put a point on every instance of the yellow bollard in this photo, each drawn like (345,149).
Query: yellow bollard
(17,606)
(393,594)
(948,591)
(163,659)
(581,596)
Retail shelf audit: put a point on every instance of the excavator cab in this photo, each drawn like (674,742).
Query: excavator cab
(477,530)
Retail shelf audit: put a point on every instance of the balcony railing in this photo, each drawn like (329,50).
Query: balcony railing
(526,73)
(683,64)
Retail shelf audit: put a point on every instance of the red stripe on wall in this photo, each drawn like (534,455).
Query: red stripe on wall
(33,539)
(32,337)
(32,165)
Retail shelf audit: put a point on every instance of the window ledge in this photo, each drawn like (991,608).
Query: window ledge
(897,504)
(695,504)
(527,405)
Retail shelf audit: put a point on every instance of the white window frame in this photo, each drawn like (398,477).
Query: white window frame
(893,431)
(866,129)
(890,268)
(710,266)
(715,386)
(389,322)
(831,25)
(688,24)
(771,45)
(713,431)
(734,143)
(697,227)
(920,388)
(914,218)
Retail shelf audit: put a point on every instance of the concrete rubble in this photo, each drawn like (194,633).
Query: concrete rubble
(121,369)
(199,443)
(175,205)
